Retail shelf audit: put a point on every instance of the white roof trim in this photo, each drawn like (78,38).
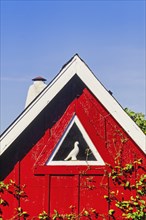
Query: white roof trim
(75,66)
(98,161)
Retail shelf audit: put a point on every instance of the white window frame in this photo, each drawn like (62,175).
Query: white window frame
(99,160)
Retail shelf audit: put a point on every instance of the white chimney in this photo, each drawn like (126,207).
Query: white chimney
(33,91)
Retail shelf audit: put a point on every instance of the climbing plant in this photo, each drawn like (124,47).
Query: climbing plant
(133,207)
(131,178)
(17,192)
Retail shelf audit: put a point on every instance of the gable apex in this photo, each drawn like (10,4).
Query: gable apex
(76,66)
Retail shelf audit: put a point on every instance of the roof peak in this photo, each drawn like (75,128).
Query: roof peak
(75,66)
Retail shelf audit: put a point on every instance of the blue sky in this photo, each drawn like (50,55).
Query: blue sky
(38,37)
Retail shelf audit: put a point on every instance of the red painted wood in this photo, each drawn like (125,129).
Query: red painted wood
(58,187)
(9,209)
(55,134)
(37,192)
(69,170)
(63,193)
(92,191)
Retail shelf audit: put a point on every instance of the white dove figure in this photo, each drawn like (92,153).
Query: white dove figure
(73,154)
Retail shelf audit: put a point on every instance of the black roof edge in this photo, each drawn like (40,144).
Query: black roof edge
(11,124)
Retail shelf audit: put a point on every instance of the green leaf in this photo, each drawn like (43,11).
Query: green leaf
(118,205)
(140,192)
(142,201)
(86,213)
(130,208)
(106,197)
(135,203)
(127,184)
(111,211)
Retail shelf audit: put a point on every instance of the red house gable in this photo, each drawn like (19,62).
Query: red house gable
(59,147)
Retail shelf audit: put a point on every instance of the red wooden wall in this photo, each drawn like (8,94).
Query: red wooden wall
(59,187)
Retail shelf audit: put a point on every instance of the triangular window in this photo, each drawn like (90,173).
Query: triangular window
(75,147)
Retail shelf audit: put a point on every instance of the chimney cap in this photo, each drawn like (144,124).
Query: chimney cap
(39,78)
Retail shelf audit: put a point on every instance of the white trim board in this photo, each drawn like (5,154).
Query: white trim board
(75,66)
(98,161)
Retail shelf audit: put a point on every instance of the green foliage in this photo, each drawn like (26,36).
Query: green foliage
(138,118)
(89,214)
(135,206)
(131,208)
(17,192)
(21,213)
(111,212)
(43,216)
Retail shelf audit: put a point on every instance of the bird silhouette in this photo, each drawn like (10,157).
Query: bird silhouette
(73,154)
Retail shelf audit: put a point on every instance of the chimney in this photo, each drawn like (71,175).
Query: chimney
(33,91)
